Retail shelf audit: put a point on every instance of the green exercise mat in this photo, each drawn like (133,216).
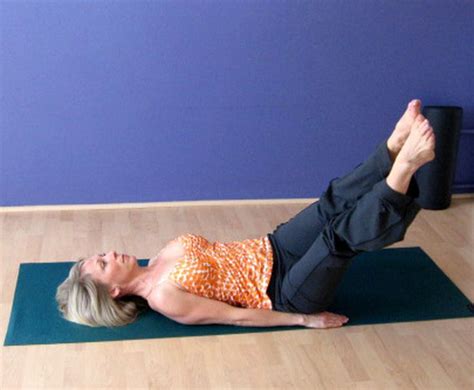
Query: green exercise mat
(389,285)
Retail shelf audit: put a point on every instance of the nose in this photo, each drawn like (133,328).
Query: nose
(113,254)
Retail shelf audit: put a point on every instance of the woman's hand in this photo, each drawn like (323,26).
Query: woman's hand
(324,319)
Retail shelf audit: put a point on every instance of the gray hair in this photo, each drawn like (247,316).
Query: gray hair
(87,302)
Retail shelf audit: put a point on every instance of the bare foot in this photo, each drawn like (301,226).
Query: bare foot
(402,128)
(418,148)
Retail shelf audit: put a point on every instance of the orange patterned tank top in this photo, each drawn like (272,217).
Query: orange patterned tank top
(236,272)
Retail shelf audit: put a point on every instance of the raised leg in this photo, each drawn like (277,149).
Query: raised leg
(298,233)
(378,219)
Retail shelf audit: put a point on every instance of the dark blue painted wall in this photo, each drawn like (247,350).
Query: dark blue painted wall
(135,101)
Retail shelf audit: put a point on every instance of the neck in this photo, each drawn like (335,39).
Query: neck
(142,283)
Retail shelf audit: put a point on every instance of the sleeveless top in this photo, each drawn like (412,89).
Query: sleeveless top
(236,272)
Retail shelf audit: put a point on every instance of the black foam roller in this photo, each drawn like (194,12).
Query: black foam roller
(435,178)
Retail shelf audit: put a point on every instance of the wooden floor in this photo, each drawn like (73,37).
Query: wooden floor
(421,355)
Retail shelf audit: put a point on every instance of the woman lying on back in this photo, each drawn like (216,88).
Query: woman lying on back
(287,277)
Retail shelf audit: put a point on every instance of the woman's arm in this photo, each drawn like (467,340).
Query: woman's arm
(263,317)
(191,309)
(325,319)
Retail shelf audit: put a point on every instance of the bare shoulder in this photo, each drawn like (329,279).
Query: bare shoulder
(173,248)
(165,297)
(187,308)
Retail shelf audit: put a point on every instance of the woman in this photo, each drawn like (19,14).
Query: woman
(288,277)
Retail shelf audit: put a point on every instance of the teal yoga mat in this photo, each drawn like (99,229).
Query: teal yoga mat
(390,285)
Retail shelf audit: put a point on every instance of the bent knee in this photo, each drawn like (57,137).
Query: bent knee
(337,244)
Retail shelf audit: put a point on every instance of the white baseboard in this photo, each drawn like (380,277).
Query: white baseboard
(190,203)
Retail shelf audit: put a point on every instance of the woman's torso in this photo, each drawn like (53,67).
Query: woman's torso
(236,272)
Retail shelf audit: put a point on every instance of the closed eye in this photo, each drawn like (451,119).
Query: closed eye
(102,262)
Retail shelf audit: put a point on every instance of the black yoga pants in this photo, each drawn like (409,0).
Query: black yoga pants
(358,212)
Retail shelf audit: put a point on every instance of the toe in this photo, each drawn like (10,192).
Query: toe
(425,128)
(419,119)
(426,131)
(432,139)
(410,114)
(416,108)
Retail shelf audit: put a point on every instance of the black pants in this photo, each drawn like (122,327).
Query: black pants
(358,212)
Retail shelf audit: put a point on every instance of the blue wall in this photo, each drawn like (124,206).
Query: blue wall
(108,102)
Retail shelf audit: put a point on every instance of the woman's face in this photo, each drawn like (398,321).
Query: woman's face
(111,268)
